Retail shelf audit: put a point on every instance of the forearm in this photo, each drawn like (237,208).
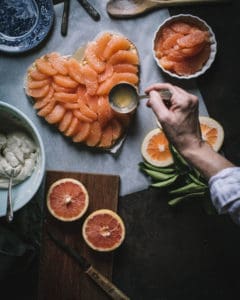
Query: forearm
(223,178)
(206,160)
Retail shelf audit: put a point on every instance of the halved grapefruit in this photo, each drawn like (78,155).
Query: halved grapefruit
(103,230)
(67,199)
(155,148)
(212,132)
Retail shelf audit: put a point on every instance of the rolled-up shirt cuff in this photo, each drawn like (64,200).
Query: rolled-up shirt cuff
(225,192)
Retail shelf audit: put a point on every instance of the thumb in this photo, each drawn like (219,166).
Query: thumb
(156,103)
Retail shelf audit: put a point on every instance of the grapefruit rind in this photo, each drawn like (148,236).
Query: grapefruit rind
(83,188)
(98,213)
(145,154)
(158,123)
(212,123)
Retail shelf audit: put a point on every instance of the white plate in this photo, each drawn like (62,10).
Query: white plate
(202,24)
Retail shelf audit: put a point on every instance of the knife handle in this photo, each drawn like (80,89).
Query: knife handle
(90,9)
(64,25)
(106,285)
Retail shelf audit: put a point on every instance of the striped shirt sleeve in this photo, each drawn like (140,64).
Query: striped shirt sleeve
(225,192)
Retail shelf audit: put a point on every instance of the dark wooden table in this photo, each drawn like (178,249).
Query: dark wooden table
(182,253)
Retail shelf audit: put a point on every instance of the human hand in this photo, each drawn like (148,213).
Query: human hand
(179,119)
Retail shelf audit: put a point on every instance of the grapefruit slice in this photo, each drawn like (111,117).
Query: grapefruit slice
(103,230)
(67,199)
(155,148)
(72,91)
(212,132)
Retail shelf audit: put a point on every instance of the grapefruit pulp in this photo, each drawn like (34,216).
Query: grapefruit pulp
(182,48)
(67,199)
(103,230)
(155,149)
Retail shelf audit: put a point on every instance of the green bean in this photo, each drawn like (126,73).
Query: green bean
(165,182)
(166,170)
(196,180)
(177,156)
(196,173)
(180,163)
(158,175)
(189,188)
(179,199)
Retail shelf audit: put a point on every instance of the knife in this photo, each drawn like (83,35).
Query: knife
(101,280)
(90,9)
(64,25)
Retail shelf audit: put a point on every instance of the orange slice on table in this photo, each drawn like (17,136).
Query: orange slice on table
(212,132)
(155,148)
(103,230)
(67,199)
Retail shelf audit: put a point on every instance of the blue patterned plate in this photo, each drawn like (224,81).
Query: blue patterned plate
(24,23)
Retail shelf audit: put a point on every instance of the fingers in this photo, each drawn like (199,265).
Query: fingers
(160,86)
(157,104)
(179,96)
(172,88)
(185,93)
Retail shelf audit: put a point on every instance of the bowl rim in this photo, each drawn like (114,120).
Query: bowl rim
(212,40)
(38,138)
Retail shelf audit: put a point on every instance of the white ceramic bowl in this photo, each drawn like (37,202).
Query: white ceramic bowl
(23,192)
(202,24)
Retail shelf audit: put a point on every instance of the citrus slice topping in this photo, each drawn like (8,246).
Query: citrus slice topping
(103,230)
(212,132)
(67,199)
(155,149)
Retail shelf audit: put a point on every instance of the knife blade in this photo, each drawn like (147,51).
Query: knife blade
(90,9)
(96,276)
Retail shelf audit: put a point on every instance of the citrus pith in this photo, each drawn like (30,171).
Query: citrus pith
(67,199)
(103,230)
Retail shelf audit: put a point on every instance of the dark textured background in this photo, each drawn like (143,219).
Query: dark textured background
(182,253)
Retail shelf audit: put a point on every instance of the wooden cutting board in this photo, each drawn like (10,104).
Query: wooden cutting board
(60,277)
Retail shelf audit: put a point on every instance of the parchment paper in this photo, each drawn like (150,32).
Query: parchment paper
(61,153)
